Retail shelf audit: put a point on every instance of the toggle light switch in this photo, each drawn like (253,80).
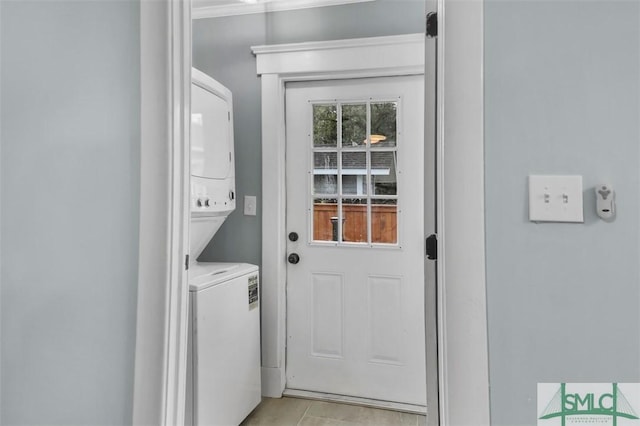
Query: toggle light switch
(555,199)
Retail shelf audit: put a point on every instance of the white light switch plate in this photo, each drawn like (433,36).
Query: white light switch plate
(555,199)
(250,205)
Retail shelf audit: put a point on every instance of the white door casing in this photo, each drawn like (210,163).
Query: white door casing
(278,65)
(355,309)
(462,307)
(165,119)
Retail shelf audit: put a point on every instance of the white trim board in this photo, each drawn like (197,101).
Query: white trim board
(216,11)
(278,65)
(462,308)
(403,55)
(161,330)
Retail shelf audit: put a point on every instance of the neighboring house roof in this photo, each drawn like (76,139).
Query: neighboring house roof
(383,169)
(355,160)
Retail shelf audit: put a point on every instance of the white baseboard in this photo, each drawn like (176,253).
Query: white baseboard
(273,381)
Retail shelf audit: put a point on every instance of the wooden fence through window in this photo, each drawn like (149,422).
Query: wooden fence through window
(384,222)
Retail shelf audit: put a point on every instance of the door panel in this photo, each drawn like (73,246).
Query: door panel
(355,196)
(326,320)
(385,319)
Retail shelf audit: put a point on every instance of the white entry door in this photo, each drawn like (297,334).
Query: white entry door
(355,200)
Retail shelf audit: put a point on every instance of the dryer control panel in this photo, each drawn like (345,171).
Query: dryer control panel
(212,196)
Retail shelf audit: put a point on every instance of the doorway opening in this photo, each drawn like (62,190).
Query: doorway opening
(345,64)
(461,315)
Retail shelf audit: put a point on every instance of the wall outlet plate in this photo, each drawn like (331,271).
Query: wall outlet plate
(555,199)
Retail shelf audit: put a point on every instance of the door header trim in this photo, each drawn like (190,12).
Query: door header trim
(403,54)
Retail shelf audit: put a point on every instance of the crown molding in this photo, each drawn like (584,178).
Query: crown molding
(264,6)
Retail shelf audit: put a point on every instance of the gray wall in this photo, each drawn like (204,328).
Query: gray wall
(222,48)
(69,195)
(561,97)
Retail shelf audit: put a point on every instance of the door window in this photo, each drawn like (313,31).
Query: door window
(355,172)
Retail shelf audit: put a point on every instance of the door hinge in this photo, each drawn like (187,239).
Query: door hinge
(186,262)
(432,247)
(432,24)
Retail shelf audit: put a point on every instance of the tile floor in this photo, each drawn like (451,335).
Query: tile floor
(304,412)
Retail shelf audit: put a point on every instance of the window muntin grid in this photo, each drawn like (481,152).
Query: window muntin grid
(354,167)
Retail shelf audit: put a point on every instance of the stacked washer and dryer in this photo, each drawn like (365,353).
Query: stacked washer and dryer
(223,382)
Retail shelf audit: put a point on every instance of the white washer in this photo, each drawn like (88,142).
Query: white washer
(224,344)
